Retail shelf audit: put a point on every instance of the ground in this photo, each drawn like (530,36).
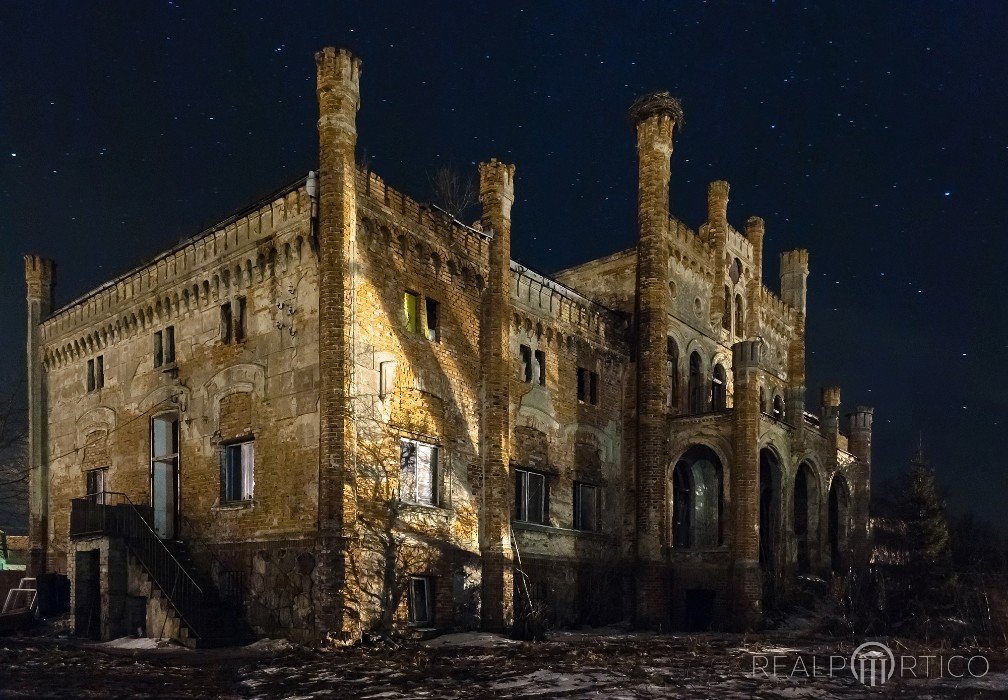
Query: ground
(600,663)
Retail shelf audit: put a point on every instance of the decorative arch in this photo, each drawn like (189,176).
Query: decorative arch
(838,530)
(97,418)
(805,513)
(697,498)
(241,378)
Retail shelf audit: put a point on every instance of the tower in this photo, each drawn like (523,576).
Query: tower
(717,239)
(338,83)
(496,198)
(794,272)
(830,414)
(39,280)
(755,231)
(655,117)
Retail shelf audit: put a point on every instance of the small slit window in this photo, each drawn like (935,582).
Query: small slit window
(433,320)
(411,310)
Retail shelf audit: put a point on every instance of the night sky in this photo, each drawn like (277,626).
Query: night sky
(872,134)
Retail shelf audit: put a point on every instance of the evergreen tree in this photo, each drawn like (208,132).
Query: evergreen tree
(931,580)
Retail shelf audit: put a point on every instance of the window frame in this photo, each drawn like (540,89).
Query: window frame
(434,465)
(245,472)
(522,496)
(525,362)
(539,370)
(428,602)
(96,496)
(432,332)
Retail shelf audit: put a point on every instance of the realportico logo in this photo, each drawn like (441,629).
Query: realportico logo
(872,663)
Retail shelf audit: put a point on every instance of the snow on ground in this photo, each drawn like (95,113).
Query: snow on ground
(141,643)
(470,640)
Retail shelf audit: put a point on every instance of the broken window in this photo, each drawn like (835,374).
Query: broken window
(540,368)
(719,389)
(697,499)
(411,309)
(386,378)
(586,507)
(417,471)
(697,395)
(96,483)
(164,347)
(672,373)
(238,472)
(433,320)
(525,353)
(421,600)
(530,497)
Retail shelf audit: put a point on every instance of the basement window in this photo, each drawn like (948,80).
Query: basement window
(530,497)
(540,367)
(417,471)
(411,310)
(421,600)
(433,310)
(164,347)
(237,472)
(96,373)
(586,507)
(525,353)
(96,483)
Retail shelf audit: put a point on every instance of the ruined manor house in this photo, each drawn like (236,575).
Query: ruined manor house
(340,408)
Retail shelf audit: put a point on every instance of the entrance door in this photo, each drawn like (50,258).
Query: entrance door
(165,474)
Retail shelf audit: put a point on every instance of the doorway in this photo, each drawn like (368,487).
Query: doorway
(165,474)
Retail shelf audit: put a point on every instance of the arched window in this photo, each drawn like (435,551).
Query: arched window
(806,498)
(697,395)
(697,499)
(726,318)
(739,316)
(719,389)
(838,500)
(672,375)
(770,524)
(778,407)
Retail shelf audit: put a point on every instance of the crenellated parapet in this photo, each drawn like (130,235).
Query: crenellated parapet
(266,241)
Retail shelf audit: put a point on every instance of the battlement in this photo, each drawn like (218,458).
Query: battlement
(747,354)
(778,307)
(39,270)
(496,176)
(830,396)
(337,66)
(797,258)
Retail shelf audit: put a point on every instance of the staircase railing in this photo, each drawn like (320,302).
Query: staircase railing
(113,513)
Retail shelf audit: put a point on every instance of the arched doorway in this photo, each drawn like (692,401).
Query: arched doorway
(769,507)
(806,501)
(697,499)
(839,498)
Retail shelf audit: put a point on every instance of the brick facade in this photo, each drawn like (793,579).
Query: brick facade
(364,325)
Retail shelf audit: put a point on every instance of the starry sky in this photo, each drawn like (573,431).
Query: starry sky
(873,134)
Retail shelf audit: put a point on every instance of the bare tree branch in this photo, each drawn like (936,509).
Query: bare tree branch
(13,462)
(453,192)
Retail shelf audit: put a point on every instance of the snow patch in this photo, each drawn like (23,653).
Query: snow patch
(470,639)
(140,643)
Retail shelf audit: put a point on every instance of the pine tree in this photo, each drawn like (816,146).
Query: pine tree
(931,580)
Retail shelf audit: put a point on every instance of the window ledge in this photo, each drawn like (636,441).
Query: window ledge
(234,505)
(553,529)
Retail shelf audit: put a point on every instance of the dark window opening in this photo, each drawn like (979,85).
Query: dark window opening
(239,320)
(433,321)
(90,375)
(739,316)
(586,507)
(582,384)
(530,497)
(672,374)
(540,368)
(726,317)
(778,407)
(225,322)
(158,349)
(697,499)
(525,353)
(164,347)
(697,394)
(96,483)
(593,388)
(421,600)
(719,389)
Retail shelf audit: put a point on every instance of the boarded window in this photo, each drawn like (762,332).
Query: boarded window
(530,497)
(238,472)
(386,378)
(411,308)
(433,321)
(417,471)
(586,507)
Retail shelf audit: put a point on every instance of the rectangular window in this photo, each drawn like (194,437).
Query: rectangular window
(582,384)
(540,368)
(96,482)
(530,497)
(586,507)
(239,320)
(169,345)
(525,353)
(238,472)
(411,308)
(433,327)
(90,375)
(158,349)
(593,388)
(417,472)
(225,322)
(164,472)
(100,371)
(421,600)
(386,378)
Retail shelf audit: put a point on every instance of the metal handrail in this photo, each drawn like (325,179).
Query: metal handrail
(140,540)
